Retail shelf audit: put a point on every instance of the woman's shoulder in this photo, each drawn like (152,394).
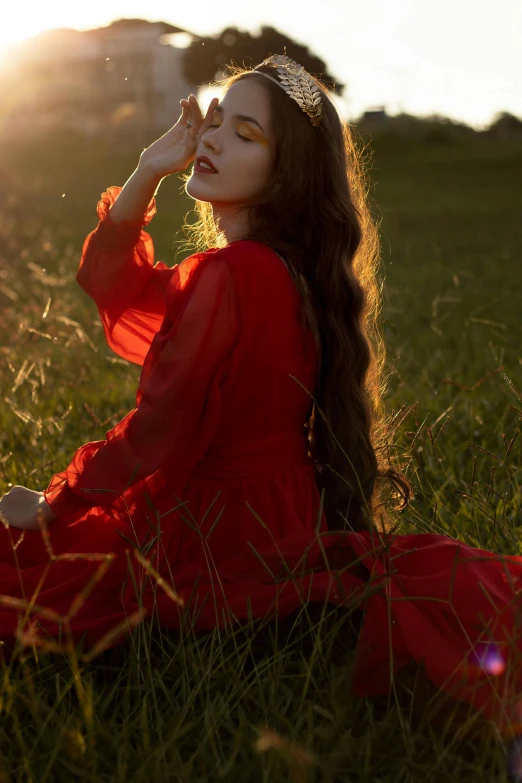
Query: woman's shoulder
(248,248)
(245,260)
(241,248)
(247,255)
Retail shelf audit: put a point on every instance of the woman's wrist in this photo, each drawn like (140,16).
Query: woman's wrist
(148,175)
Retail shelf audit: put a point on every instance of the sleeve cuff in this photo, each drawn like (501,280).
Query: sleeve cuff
(126,233)
(61,498)
(110,196)
(64,502)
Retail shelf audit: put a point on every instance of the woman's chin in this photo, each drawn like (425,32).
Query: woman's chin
(196,189)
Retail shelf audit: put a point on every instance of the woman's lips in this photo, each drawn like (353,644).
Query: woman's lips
(202,170)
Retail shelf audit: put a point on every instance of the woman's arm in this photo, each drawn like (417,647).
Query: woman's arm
(117,268)
(136,194)
(178,403)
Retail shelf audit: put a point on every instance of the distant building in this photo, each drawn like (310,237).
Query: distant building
(373,117)
(505,127)
(122,80)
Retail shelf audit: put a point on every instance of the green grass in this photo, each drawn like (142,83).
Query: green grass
(169,707)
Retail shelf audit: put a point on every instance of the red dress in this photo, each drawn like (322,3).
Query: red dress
(203,498)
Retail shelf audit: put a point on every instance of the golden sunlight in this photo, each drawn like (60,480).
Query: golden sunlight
(18,26)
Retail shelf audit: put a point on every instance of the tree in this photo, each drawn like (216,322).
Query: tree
(207,56)
(505,126)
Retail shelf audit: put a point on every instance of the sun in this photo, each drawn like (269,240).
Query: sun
(6,46)
(13,33)
(19,26)
(12,38)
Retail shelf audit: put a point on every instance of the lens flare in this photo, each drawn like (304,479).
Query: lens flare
(487,657)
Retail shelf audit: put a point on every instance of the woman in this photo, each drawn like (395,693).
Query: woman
(225,490)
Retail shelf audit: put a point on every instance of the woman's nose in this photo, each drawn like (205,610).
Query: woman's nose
(210,140)
(211,143)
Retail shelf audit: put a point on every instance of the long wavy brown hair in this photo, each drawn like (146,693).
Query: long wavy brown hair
(315,212)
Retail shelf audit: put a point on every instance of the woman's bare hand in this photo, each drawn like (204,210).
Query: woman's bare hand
(176,149)
(19,508)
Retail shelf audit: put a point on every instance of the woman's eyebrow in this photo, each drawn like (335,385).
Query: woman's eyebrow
(244,117)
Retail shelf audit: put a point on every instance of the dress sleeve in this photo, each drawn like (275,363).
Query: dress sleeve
(117,270)
(177,402)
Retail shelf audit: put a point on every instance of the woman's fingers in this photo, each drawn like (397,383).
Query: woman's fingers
(209,116)
(210,111)
(191,112)
(196,111)
(186,116)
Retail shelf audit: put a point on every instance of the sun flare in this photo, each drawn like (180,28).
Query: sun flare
(18,27)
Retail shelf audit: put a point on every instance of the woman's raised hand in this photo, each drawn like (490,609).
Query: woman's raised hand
(176,149)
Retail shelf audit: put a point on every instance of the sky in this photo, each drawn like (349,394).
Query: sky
(457,58)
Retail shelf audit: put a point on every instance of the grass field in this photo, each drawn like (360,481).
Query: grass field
(193,710)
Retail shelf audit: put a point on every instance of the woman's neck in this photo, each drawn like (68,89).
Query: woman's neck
(231,222)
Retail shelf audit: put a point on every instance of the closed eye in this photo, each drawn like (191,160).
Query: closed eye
(237,134)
